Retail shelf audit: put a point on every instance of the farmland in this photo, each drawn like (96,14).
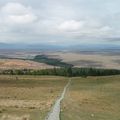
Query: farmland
(22,64)
(101,59)
(107,60)
(30,97)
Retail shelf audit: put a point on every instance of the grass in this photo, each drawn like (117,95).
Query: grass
(28,97)
(92,98)
(31,97)
(19,63)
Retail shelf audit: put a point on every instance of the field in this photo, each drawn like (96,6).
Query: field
(22,64)
(32,97)
(98,59)
(92,98)
(89,59)
(28,97)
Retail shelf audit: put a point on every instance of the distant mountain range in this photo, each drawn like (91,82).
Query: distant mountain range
(34,46)
(44,47)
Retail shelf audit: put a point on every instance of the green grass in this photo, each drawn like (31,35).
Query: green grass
(92,98)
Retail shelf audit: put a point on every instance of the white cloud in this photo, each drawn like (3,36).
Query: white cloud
(89,28)
(15,8)
(71,25)
(17,13)
(21,19)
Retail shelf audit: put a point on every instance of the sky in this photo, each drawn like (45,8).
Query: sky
(60,21)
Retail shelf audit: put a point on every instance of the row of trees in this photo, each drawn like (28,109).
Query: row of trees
(67,71)
(51,61)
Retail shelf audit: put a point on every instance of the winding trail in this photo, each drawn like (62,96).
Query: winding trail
(55,112)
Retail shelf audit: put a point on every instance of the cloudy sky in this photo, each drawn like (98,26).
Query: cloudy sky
(60,21)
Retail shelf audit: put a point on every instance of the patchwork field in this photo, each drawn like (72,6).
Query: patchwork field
(28,97)
(97,59)
(84,59)
(92,98)
(21,64)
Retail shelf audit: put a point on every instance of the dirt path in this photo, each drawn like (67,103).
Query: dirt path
(55,112)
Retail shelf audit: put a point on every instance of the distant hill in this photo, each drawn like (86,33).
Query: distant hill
(31,46)
(55,47)
(12,46)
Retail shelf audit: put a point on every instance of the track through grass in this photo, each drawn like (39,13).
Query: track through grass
(92,98)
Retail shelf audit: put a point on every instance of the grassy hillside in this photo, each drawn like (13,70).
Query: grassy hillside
(28,97)
(92,98)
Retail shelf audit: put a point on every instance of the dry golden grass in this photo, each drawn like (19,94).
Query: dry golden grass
(88,60)
(28,97)
(21,64)
(11,117)
(78,59)
(92,98)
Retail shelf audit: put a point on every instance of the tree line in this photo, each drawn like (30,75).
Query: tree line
(50,61)
(66,71)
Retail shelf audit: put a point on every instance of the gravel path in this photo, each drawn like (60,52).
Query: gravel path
(55,112)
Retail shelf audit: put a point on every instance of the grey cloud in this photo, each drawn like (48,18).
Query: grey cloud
(66,19)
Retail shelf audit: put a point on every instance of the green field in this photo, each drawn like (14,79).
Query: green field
(28,97)
(92,98)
